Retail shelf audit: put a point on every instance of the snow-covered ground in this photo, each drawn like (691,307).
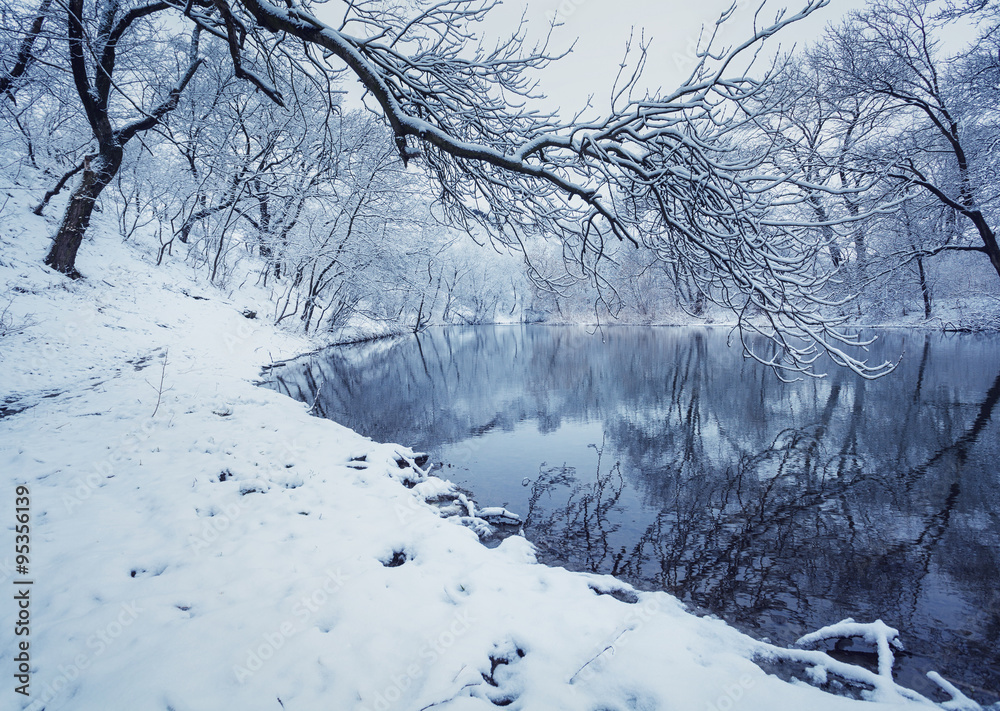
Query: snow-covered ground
(198,542)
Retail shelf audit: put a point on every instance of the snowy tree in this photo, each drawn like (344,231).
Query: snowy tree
(825,136)
(105,97)
(943,109)
(352,229)
(203,132)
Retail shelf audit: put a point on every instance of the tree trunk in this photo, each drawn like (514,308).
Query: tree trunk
(925,289)
(989,239)
(97,175)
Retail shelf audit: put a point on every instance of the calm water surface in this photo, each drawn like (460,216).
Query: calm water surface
(665,458)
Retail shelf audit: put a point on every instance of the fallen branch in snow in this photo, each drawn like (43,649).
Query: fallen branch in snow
(883,687)
(878,633)
(499,515)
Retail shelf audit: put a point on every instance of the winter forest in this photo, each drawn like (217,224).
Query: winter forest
(196,192)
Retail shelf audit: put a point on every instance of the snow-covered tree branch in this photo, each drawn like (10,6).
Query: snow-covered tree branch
(660,171)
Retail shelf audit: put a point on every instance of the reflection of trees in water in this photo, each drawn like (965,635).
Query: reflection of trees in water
(725,542)
(578,533)
(875,499)
(800,534)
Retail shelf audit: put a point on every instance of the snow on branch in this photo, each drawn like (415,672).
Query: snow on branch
(667,172)
(884,637)
(880,685)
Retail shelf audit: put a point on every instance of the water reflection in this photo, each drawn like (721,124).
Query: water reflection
(662,456)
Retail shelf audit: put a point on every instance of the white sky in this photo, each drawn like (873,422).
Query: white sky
(602,28)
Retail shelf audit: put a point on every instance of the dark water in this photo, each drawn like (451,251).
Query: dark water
(663,457)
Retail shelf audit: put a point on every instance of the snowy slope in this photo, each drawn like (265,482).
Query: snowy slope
(197,542)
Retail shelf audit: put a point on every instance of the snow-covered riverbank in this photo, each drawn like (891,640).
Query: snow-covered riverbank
(197,542)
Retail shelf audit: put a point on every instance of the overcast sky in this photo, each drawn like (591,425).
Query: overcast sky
(602,28)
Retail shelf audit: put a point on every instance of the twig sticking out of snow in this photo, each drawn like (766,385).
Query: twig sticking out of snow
(319,391)
(159,390)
